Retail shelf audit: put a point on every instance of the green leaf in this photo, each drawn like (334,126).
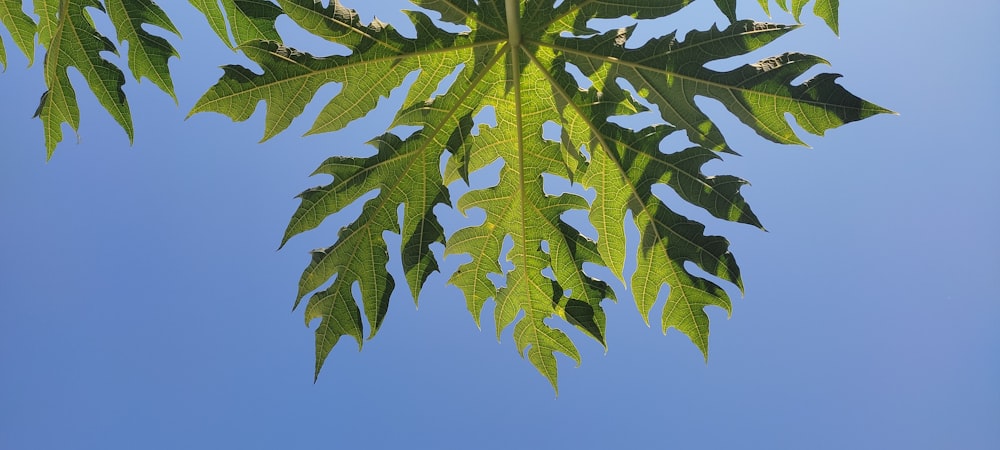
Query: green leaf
(72,41)
(341,318)
(216,17)
(671,74)
(66,30)
(728,7)
(824,9)
(21,28)
(247,20)
(147,54)
(575,15)
(359,93)
(765,4)
(516,60)
(623,174)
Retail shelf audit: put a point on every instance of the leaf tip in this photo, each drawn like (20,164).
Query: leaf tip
(284,239)
(319,367)
(876,109)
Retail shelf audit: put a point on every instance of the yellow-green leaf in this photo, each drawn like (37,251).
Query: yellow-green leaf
(517,61)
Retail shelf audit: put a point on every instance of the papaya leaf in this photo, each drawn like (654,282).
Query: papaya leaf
(69,35)
(824,9)
(66,30)
(728,8)
(247,20)
(517,59)
(21,27)
(147,54)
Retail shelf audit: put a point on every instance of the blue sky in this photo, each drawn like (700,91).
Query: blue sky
(143,303)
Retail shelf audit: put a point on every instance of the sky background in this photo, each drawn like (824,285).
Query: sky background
(143,303)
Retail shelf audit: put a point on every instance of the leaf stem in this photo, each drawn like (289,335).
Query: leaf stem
(513,23)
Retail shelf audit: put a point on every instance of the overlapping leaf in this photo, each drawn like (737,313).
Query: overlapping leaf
(406,173)
(519,208)
(516,59)
(247,20)
(67,32)
(517,63)
(72,41)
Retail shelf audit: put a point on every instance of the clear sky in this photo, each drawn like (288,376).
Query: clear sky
(143,304)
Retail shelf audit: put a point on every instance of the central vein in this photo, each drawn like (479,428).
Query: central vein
(513,23)
(514,35)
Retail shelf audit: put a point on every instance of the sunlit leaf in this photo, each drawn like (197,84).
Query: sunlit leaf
(519,64)
(67,31)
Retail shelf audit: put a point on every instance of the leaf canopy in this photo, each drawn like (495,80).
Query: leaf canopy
(516,60)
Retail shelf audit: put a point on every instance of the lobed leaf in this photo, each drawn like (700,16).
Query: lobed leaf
(518,207)
(404,172)
(66,30)
(824,9)
(72,41)
(147,54)
(670,74)
(245,20)
(519,63)
(574,15)
(287,88)
(517,58)
(623,175)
